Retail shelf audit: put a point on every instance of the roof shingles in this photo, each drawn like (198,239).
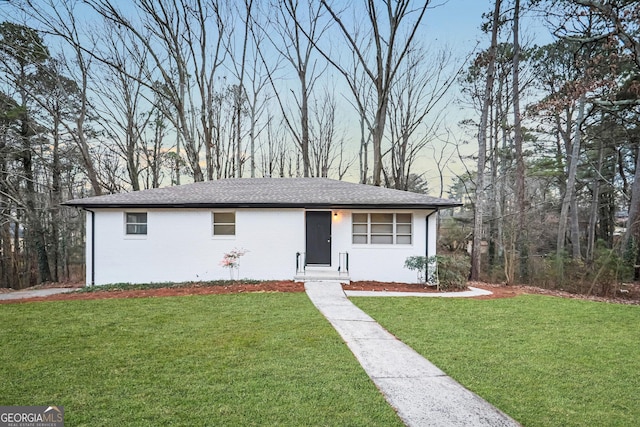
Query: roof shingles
(267,192)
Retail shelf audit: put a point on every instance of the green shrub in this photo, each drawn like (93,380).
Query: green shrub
(449,272)
(419,265)
(453,271)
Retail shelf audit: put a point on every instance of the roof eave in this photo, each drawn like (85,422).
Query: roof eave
(262,205)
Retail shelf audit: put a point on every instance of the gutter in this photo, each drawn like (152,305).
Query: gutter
(93,246)
(426,249)
(227,205)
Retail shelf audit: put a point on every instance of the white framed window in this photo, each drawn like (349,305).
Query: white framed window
(224,223)
(360,228)
(382,228)
(135,223)
(404,229)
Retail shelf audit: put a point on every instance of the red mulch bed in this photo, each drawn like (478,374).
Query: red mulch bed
(194,289)
(499,291)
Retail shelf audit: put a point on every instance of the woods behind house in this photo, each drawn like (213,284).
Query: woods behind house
(540,140)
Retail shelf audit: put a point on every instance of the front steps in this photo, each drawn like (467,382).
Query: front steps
(320,274)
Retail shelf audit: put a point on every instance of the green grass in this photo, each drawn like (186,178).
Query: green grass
(223,360)
(544,361)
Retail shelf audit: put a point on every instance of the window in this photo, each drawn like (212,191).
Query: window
(224,223)
(403,229)
(381,228)
(360,228)
(136,223)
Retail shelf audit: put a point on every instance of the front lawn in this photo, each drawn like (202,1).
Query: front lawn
(544,361)
(234,360)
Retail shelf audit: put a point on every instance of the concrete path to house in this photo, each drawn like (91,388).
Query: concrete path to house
(34,293)
(472,292)
(422,394)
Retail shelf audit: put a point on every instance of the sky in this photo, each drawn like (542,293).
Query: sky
(456,24)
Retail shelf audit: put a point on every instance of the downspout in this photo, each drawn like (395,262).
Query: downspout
(426,248)
(93,246)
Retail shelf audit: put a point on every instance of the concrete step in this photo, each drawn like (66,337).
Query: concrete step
(319,275)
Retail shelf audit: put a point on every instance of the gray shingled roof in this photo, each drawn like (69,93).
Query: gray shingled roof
(267,192)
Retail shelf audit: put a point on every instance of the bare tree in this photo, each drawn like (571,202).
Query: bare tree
(154,151)
(275,155)
(382,59)
(325,146)
(298,30)
(122,101)
(414,95)
(249,70)
(183,58)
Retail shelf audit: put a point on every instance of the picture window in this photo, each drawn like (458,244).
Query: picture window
(382,228)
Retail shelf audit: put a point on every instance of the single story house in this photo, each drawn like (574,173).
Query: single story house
(285,228)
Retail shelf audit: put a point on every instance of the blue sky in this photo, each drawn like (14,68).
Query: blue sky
(456,24)
(457,21)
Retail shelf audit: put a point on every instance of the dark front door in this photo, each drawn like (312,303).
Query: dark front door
(318,237)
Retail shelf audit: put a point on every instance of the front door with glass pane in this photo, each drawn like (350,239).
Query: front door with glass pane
(318,237)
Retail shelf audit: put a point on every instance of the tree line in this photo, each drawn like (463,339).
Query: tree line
(100,97)
(555,191)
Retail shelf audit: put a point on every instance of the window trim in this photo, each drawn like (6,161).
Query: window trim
(127,223)
(395,234)
(213,225)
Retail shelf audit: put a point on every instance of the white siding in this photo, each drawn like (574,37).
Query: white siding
(180,246)
(383,263)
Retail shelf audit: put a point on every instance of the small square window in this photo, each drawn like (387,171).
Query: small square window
(224,223)
(136,223)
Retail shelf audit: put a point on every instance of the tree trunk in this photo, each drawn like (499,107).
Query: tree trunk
(55,200)
(378,133)
(521,240)
(35,231)
(572,160)
(634,207)
(594,209)
(482,148)
(364,152)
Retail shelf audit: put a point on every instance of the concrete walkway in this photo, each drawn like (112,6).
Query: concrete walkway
(472,292)
(34,293)
(421,393)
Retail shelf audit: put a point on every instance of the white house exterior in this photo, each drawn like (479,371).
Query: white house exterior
(288,227)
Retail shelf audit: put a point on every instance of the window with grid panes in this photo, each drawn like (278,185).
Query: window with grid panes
(135,223)
(382,228)
(224,223)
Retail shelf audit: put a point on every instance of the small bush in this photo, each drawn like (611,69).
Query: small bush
(419,264)
(450,272)
(453,271)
